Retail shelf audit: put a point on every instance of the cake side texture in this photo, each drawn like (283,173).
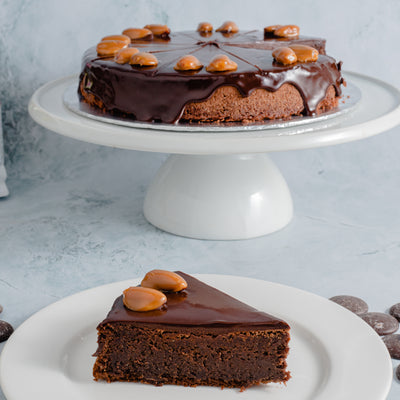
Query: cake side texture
(214,357)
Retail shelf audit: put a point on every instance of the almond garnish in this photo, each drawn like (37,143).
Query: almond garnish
(164,280)
(228,27)
(138,33)
(204,27)
(123,56)
(143,299)
(221,63)
(158,30)
(284,55)
(144,60)
(121,38)
(107,48)
(287,31)
(188,63)
(271,29)
(305,53)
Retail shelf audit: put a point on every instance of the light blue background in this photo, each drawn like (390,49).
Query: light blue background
(74,217)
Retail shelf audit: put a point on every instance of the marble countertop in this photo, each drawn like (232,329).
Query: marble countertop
(82,225)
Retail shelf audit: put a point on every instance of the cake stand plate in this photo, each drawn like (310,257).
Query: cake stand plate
(221,184)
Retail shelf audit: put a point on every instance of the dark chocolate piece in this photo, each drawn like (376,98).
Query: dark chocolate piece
(161,93)
(5,330)
(383,324)
(1,308)
(398,372)
(393,345)
(354,304)
(395,311)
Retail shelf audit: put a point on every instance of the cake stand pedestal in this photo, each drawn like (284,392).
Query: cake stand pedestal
(219,197)
(221,186)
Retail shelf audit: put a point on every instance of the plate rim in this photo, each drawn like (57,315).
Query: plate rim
(12,343)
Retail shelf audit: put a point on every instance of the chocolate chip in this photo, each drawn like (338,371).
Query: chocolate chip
(5,330)
(395,311)
(354,304)
(393,345)
(1,308)
(398,372)
(383,324)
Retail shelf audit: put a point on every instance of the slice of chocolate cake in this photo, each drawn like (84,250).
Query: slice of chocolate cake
(202,336)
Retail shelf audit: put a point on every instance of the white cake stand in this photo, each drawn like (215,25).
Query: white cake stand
(220,186)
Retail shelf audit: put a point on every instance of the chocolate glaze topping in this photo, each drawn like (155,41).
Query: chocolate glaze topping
(199,305)
(160,94)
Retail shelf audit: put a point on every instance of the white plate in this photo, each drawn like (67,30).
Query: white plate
(334,354)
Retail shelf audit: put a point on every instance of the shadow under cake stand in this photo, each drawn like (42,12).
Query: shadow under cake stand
(219,183)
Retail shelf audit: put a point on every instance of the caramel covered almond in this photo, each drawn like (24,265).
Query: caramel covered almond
(204,27)
(228,27)
(287,31)
(107,48)
(124,56)
(188,63)
(122,38)
(144,60)
(138,33)
(221,63)
(143,299)
(164,280)
(284,55)
(305,53)
(271,29)
(158,30)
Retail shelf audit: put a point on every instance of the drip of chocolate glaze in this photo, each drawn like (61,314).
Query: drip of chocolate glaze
(160,94)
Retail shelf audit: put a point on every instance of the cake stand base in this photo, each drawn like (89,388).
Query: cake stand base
(219,197)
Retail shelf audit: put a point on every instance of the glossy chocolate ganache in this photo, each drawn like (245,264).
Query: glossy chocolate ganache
(198,305)
(161,93)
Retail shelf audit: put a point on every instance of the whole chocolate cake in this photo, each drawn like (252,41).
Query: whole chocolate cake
(195,336)
(224,75)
